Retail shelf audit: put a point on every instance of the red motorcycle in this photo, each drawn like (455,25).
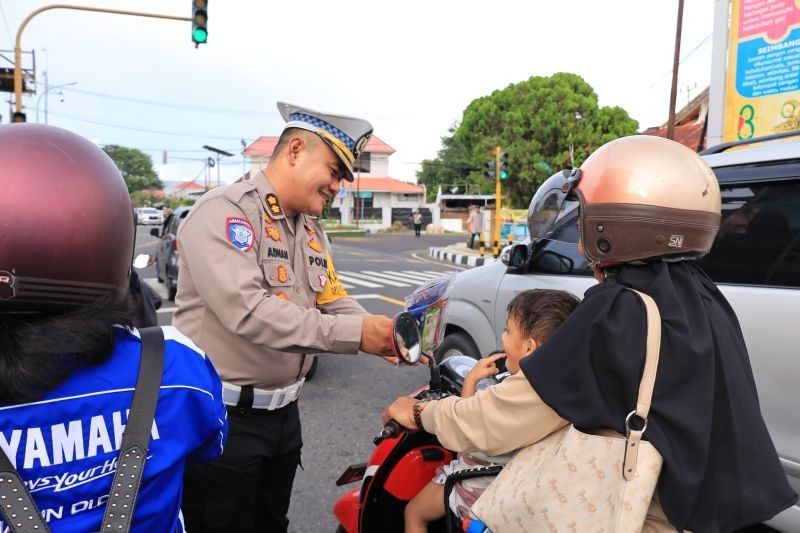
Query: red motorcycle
(403,462)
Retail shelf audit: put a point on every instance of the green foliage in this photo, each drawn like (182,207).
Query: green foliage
(136,167)
(452,166)
(536,122)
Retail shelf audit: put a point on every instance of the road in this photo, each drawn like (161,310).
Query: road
(341,407)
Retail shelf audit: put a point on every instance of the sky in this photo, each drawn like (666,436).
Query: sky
(410,68)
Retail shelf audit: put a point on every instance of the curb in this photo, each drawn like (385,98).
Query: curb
(460,259)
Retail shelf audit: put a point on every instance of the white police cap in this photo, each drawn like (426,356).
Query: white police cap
(347,136)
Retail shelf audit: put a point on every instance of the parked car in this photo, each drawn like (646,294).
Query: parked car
(167,250)
(755,261)
(149,215)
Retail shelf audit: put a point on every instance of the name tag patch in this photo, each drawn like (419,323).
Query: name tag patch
(239,233)
(277,252)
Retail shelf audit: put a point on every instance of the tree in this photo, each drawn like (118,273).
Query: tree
(544,124)
(451,167)
(136,167)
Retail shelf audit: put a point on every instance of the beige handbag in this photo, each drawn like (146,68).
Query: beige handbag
(572,481)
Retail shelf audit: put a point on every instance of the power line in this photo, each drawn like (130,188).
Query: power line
(684,58)
(146,130)
(174,105)
(5,22)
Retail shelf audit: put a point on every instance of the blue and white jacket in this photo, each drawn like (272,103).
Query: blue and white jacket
(65,445)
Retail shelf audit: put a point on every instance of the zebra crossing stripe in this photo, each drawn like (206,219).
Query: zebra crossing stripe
(385,278)
(438,274)
(353,281)
(416,278)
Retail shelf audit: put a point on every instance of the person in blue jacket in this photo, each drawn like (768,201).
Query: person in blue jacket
(69,357)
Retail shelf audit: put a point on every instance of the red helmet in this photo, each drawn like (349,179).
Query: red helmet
(66,231)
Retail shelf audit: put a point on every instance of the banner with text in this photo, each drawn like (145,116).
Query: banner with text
(763,87)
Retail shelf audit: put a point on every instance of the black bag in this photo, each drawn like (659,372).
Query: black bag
(17,505)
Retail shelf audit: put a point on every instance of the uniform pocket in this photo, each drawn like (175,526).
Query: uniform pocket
(278,274)
(317,279)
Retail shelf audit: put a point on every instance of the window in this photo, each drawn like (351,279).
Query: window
(362,163)
(759,237)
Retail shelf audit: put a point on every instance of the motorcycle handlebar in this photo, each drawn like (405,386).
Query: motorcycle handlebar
(391,430)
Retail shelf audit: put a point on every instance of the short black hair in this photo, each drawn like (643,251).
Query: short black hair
(539,312)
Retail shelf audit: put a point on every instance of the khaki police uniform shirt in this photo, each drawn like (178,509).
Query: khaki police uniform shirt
(502,419)
(257,291)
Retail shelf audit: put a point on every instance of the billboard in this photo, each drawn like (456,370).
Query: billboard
(762,93)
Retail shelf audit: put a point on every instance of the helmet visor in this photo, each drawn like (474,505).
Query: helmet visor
(552,199)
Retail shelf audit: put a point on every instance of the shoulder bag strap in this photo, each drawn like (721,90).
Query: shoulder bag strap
(16,504)
(634,436)
(136,438)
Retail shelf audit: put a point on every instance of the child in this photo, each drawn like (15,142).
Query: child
(532,317)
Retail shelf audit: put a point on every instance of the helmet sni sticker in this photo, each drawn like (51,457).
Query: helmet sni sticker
(239,233)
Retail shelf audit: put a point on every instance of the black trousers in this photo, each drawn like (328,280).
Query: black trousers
(417,229)
(247,488)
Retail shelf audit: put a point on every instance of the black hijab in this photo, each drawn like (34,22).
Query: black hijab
(721,471)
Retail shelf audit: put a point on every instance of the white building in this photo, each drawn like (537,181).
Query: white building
(374,199)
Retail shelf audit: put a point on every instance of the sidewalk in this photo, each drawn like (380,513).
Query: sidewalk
(461,255)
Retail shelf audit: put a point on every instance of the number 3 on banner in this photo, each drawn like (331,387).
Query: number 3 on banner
(746,115)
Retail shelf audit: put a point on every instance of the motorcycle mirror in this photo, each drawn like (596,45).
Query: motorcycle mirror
(405,339)
(143,261)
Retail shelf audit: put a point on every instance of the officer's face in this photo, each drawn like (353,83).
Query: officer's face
(319,177)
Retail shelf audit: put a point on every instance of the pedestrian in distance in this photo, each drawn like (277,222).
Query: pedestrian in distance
(258,291)
(416,218)
(475,225)
(69,357)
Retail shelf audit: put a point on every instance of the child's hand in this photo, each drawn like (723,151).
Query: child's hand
(484,368)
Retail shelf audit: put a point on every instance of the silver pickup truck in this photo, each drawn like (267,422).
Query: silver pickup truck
(755,261)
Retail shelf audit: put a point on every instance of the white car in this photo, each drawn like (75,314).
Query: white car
(755,261)
(149,215)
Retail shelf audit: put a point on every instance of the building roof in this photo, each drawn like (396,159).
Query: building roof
(385,185)
(690,135)
(689,123)
(190,186)
(264,146)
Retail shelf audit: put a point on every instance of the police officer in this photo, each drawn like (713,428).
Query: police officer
(258,292)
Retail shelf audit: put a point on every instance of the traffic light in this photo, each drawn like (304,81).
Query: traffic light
(503,165)
(199,22)
(490,170)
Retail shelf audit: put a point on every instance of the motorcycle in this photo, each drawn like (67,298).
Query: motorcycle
(403,462)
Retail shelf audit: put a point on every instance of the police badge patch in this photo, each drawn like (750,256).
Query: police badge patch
(323,280)
(273,233)
(239,233)
(315,245)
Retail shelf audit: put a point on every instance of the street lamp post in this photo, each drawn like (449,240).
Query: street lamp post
(48,90)
(218,152)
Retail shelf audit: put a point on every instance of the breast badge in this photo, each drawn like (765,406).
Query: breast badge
(283,275)
(315,245)
(282,296)
(273,233)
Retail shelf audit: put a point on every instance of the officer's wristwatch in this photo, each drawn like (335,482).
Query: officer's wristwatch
(418,407)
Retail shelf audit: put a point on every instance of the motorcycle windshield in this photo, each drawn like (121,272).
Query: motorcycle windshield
(428,305)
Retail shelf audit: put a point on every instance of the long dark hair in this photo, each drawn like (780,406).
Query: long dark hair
(38,352)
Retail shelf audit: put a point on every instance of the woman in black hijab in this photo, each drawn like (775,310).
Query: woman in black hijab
(648,208)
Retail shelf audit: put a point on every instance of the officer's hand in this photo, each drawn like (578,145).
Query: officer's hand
(375,337)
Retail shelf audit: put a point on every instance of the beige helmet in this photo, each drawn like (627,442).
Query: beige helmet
(641,198)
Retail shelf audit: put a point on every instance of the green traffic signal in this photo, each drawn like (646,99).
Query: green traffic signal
(199,35)
(503,174)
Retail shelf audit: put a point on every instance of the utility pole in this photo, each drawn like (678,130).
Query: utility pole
(673,95)
(18,42)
